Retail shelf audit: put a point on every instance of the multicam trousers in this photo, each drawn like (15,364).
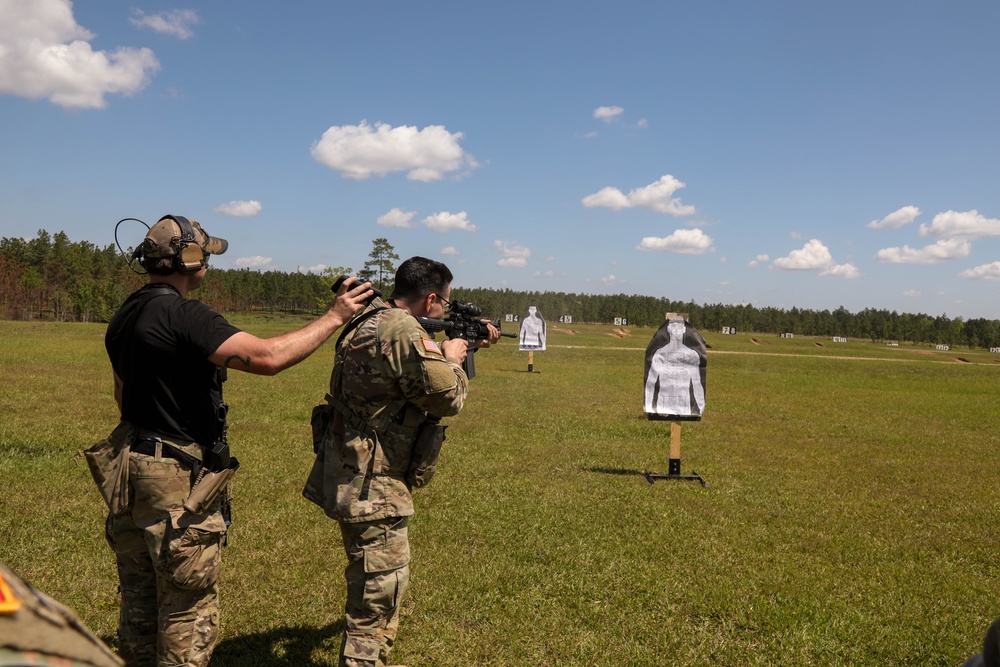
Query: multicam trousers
(168,568)
(378,574)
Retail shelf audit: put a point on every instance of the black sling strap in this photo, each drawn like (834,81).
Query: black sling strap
(127,331)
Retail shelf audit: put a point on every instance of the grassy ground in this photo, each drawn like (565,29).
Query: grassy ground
(850,517)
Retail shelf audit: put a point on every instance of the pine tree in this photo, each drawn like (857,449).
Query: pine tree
(379,269)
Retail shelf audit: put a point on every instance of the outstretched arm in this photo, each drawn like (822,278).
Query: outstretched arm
(269,356)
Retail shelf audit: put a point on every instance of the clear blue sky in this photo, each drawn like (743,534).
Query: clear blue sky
(775,153)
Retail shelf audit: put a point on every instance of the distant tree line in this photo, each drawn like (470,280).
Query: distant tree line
(51,277)
(54,278)
(872,324)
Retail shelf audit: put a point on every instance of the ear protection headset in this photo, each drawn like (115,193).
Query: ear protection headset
(189,257)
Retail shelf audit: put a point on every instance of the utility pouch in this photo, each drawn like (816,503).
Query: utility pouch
(208,486)
(320,423)
(426,452)
(108,463)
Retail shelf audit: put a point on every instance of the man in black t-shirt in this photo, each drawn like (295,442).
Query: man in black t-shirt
(162,359)
(170,355)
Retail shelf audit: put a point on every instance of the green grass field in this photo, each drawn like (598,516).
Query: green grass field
(850,517)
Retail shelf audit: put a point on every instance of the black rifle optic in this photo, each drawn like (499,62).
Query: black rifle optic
(465,321)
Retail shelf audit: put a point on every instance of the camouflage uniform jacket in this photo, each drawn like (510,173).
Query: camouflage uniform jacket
(393,377)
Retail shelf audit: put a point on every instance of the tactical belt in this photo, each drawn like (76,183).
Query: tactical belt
(147,446)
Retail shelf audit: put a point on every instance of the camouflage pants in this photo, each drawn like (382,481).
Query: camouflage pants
(168,568)
(377,573)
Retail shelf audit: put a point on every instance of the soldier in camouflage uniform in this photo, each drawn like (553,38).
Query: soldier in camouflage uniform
(170,355)
(37,630)
(389,379)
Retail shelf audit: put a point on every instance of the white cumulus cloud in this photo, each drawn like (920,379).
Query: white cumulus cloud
(983,272)
(397,217)
(968,224)
(896,219)
(176,22)
(449,250)
(45,54)
(607,114)
(512,254)
(362,151)
(240,209)
(682,241)
(757,261)
(842,271)
(256,262)
(658,196)
(813,255)
(942,251)
(446,222)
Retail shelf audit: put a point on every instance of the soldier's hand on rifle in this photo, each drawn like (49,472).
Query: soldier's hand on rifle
(350,297)
(455,349)
(493,337)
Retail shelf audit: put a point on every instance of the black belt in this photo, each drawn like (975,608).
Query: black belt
(147,446)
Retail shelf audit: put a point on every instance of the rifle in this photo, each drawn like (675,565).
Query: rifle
(465,322)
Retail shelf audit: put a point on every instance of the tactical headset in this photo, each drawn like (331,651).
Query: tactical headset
(188,257)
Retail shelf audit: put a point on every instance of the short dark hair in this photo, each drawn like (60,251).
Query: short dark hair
(160,266)
(418,276)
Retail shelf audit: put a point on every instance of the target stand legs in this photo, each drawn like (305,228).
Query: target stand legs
(651,477)
(674,463)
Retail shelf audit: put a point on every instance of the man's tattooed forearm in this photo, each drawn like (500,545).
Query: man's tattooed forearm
(243,360)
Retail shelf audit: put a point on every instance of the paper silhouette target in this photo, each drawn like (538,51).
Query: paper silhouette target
(532,336)
(675,372)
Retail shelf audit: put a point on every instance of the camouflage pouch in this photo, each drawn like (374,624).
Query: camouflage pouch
(193,556)
(108,463)
(209,486)
(426,452)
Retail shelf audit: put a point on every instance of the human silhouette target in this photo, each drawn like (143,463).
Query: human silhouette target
(675,372)
(532,332)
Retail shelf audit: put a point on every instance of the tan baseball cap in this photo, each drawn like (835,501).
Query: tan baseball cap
(163,239)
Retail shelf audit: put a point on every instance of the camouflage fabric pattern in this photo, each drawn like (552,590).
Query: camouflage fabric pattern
(392,376)
(168,568)
(378,574)
(10,658)
(37,630)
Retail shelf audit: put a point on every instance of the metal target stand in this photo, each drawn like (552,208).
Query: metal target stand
(674,462)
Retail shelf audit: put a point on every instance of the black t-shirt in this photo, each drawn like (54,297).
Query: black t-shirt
(159,344)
